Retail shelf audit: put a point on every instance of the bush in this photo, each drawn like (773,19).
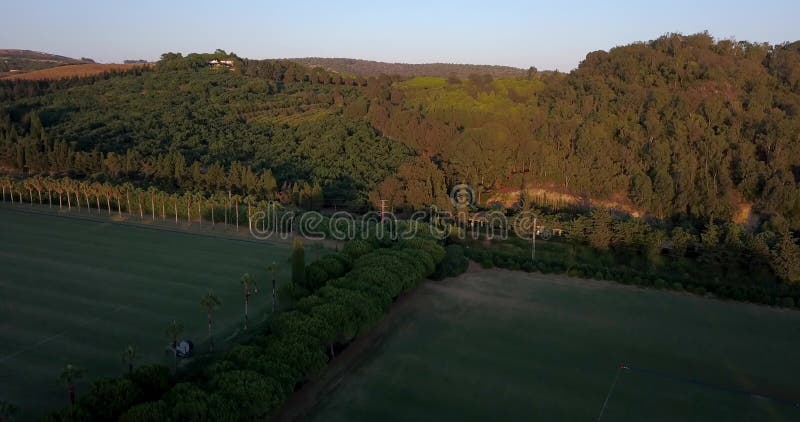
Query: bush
(152,380)
(677,286)
(357,248)
(453,264)
(155,411)
(660,284)
(787,302)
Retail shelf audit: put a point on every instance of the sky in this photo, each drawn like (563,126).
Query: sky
(548,35)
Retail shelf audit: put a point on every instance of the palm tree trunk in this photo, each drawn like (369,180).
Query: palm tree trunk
(97,200)
(213,223)
(40,197)
(69,202)
(59,200)
(108,204)
(210,338)
(199,212)
(237,215)
(153,205)
(246,300)
(141,211)
(128,197)
(176,210)
(188,211)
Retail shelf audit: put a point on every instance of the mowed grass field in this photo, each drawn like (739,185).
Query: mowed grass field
(500,345)
(75,291)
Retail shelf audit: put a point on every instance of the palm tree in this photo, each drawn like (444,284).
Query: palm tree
(210,303)
(69,376)
(272,268)
(249,288)
(129,355)
(173,331)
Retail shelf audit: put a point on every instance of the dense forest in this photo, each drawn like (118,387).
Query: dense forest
(409,70)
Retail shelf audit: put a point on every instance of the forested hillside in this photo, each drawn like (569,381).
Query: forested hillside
(682,129)
(372,68)
(682,126)
(183,124)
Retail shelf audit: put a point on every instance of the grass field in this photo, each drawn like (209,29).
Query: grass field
(75,291)
(70,71)
(506,345)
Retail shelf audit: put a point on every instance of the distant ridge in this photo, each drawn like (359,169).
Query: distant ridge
(27,60)
(372,68)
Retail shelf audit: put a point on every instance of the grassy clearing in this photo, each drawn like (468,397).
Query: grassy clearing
(509,345)
(77,291)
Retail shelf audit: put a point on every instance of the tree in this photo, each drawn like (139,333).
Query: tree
(173,333)
(248,288)
(786,259)
(298,263)
(272,268)
(69,376)
(210,303)
(8,411)
(130,355)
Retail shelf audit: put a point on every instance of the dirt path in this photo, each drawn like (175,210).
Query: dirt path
(301,404)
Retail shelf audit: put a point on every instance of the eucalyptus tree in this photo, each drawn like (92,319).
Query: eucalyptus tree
(97,190)
(69,377)
(86,188)
(48,186)
(249,288)
(152,193)
(210,302)
(236,199)
(6,183)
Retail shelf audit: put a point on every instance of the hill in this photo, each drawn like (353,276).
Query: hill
(27,60)
(70,71)
(372,68)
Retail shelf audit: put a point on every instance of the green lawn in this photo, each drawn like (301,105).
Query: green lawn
(76,291)
(500,345)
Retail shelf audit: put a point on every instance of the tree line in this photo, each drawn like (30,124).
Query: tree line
(251,381)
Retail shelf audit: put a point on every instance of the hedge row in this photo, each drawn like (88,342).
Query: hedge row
(251,381)
(778,295)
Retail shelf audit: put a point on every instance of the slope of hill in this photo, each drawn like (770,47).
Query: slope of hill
(27,60)
(372,68)
(69,71)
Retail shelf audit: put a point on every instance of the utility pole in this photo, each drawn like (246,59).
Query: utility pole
(383,209)
(533,241)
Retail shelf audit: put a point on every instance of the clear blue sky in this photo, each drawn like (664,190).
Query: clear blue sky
(548,34)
